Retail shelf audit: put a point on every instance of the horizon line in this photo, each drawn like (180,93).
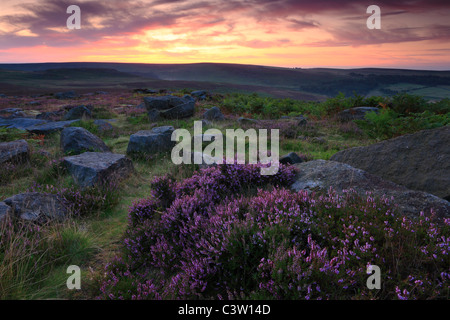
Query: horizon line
(228,63)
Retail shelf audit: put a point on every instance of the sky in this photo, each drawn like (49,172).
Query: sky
(414,34)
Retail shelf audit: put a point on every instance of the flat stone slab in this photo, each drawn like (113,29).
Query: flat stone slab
(93,168)
(21,123)
(14,151)
(50,127)
(36,206)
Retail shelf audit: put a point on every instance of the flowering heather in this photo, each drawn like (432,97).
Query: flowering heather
(228,232)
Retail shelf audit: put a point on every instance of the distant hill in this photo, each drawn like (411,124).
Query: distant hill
(309,84)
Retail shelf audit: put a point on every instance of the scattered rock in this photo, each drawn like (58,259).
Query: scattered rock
(78,112)
(66,95)
(103,125)
(318,140)
(243,120)
(93,168)
(320,175)
(76,140)
(291,158)
(51,115)
(151,141)
(15,151)
(5,211)
(213,114)
(199,95)
(49,127)
(419,161)
(35,206)
(163,102)
(357,113)
(145,91)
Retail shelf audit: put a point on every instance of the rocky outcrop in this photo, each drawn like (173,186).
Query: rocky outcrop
(419,161)
(94,168)
(76,140)
(320,175)
(35,206)
(151,141)
(14,151)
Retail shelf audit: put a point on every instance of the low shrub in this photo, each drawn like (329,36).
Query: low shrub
(388,124)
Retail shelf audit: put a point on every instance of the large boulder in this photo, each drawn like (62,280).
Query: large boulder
(419,161)
(170,107)
(213,114)
(77,140)
(50,127)
(14,151)
(35,206)
(358,113)
(320,175)
(151,141)
(78,112)
(94,168)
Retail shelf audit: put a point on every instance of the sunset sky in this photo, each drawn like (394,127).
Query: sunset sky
(287,33)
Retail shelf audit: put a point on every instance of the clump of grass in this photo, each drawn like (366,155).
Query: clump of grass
(29,252)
